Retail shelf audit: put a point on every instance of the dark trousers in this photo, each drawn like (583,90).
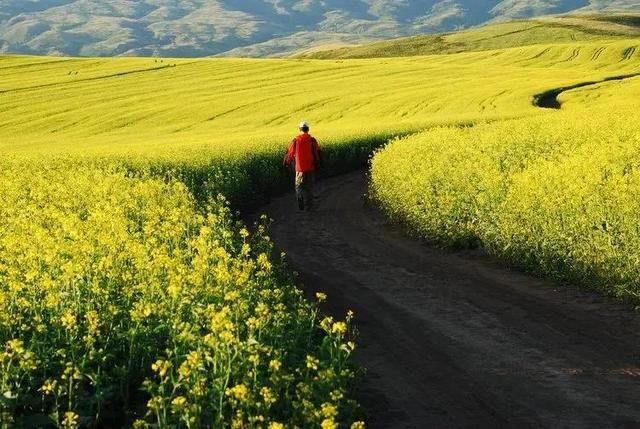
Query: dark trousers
(304,190)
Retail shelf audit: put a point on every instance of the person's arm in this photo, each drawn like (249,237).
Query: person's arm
(291,153)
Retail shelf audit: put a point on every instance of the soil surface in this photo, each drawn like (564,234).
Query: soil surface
(549,99)
(454,339)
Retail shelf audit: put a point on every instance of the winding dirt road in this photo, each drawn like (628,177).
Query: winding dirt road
(453,339)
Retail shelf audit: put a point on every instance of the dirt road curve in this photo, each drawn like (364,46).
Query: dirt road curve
(453,339)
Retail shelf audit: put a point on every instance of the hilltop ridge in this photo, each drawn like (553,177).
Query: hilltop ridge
(552,29)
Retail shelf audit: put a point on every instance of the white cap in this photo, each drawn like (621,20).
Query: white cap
(304,124)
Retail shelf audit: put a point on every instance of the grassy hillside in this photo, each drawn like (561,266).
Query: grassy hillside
(125,105)
(563,29)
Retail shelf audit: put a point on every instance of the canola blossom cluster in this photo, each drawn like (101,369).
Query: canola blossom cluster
(558,194)
(124,302)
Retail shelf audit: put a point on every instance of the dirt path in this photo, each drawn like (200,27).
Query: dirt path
(549,99)
(453,339)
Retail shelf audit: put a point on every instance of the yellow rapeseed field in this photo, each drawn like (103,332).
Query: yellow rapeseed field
(129,295)
(557,194)
(118,289)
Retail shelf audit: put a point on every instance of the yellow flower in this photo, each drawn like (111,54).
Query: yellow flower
(267,395)
(232,296)
(155,403)
(141,311)
(174,289)
(326,323)
(227,336)
(339,328)
(276,425)
(253,323)
(71,372)
(178,403)
(358,425)
(140,424)
(192,362)
(93,321)
(70,420)
(15,347)
(161,367)
(328,424)
(28,361)
(49,387)
(336,395)
(68,320)
(329,411)
(275,365)
(245,250)
(263,262)
(312,362)
(239,392)
(321,296)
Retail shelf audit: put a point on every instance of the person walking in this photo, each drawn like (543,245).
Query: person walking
(304,149)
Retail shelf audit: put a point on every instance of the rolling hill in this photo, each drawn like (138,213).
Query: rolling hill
(191,108)
(561,29)
(256,28)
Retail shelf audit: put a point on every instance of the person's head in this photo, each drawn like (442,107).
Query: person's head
(304,127)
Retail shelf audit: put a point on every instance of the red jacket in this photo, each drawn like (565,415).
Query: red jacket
(306,151)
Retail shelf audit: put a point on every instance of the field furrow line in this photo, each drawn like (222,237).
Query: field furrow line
(90,79)
(598,52)
(628,53)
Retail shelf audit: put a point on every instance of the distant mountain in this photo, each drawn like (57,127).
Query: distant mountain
(247,27)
